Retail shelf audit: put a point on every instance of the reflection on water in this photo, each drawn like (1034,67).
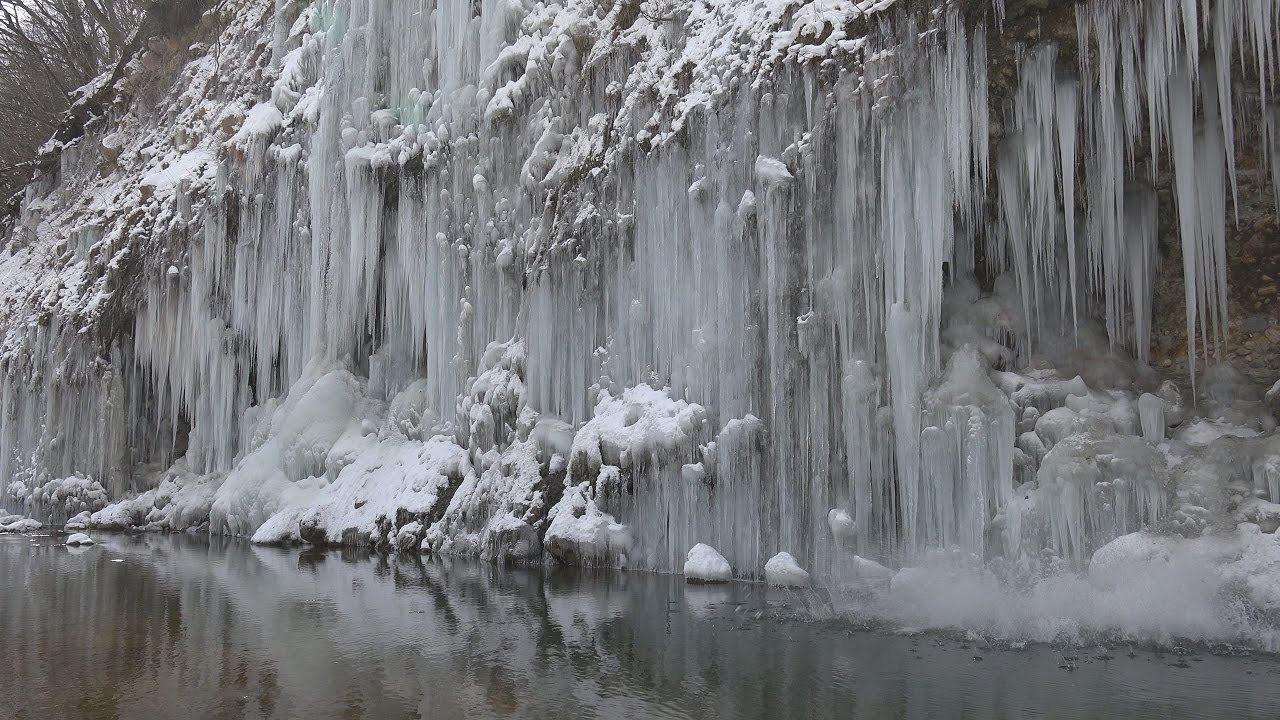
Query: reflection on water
(216,628)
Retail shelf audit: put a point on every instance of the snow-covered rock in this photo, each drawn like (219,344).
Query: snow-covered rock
(18,524)
(79,522)
(76,539)
(782,570)
(705,565)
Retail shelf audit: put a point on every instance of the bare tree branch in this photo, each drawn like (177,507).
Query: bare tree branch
(48,49)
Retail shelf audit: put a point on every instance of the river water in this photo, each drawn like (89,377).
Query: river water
(169,626)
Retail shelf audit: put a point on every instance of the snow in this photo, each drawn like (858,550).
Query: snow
(78,539)
(362,503)
(782,570)
(188,166)
(705,565)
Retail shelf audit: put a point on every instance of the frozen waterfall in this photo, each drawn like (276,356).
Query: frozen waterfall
(596,283)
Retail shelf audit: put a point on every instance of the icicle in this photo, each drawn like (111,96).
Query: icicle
(1151,414)
(1183,141)
(1224,24)
(1066,110)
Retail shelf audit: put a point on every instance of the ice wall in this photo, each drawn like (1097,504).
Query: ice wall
(656,273)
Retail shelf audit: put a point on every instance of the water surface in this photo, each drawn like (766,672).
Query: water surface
(169,626)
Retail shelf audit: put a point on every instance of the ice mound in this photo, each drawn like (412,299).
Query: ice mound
(291,443)
(1140,586)
(706,565)
(643,420)
(782,570)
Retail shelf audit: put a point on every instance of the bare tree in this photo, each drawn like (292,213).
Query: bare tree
(48,50)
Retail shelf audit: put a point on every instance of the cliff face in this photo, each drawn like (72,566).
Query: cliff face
(1252,230)
(599,281)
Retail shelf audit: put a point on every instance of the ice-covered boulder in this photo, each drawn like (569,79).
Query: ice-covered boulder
(782,570)
(706,565)
(388,486)
(78,539)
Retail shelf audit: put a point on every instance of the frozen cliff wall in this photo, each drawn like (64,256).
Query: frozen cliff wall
(600,280)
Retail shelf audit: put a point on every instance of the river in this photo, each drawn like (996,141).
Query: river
(171,626)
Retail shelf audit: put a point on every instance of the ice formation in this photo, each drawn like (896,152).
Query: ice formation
(582,283)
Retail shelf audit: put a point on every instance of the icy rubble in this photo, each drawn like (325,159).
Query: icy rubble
(574,281)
